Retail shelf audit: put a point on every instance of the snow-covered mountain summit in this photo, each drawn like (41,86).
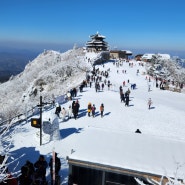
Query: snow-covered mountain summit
(51,74)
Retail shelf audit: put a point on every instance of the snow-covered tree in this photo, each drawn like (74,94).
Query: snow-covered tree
(6,136)
(170,68)
(52,71)
(176,180)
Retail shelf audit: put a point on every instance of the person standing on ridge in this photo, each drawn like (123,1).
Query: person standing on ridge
(149,103)
(101,109)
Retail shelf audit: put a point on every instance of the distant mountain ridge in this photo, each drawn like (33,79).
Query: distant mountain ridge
(13,62)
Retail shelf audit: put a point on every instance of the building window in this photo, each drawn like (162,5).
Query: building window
(86,176)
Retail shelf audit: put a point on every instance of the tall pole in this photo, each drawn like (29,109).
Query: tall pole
(53,169)
(40,120)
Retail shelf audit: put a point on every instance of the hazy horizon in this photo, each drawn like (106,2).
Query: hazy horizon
(17,46)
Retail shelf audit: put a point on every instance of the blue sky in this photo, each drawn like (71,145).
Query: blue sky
(142,26)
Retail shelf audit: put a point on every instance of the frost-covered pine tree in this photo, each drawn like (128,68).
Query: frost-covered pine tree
(173,71)
(176,180)
(170,181)
(6,135)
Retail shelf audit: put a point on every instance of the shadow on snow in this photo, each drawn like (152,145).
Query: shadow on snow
(69,131)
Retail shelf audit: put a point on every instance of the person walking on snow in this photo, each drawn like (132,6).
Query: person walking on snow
(149,103)
(75,110)
(122,96)
(77,106)
(102,86)
(89,107)
(127,99)
(93,110)
(101,109)
(69,112)
(63,113)
(40,166)
(69,96)
(58,110)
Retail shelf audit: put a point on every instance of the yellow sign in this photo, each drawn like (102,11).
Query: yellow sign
(34,122)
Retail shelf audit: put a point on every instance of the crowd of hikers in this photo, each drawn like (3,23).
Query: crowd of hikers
(99,79)
(35,173)
(73,110)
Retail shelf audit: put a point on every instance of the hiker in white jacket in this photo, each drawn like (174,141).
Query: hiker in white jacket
(63,112)
(69,112)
